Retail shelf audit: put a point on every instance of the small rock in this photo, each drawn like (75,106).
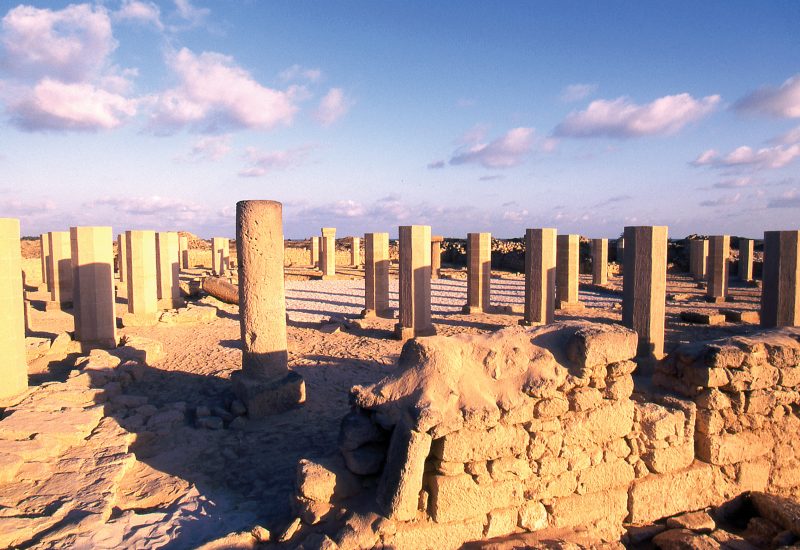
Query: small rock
(290,531)
(683,539)
(639,534)
(699,522)
(210,423)
(261,534)
(238,423)
(366,460)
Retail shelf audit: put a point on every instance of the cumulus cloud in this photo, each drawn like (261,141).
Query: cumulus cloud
(191,13)
(209,148)
(296,72)
(777,156)
(782,102)
(333,106)
(214,93)
(576,92)
(621,118)
(146,13)
(508,150)
(788,138)
(262,162)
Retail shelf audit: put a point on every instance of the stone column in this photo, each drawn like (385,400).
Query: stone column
(328,252)
(719,247)
(621,251)
(93,293)
(265,383)
(415,282)
(599,261)
(479,272)
(355,251)
(567,258)
(122,262)
(314,251)
(60,272)
(436,256)
(183,250)
(644,287)
(168,271)
(44,249)
(13,365)
(698,258)
(376,276)
(746,251)
(220,256)
(540,277)
(780,296)
(142,279)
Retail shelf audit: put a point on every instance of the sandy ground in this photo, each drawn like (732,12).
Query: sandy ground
(196,484)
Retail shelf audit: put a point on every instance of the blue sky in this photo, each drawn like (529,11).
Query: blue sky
(468,116)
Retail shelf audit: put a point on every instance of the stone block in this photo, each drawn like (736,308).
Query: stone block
(657,496)
(475,445)
(444,536)
(670,459)
(501,523)
(533,516)
(401,481)
(585,510)
(605,476)
(458,498)
(702,318)
(593,346)
(600,425)
(732,448)
(265,397)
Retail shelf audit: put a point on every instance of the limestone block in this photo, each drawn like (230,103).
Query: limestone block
(401,482)
(502,522)
(619,388)
(594,346)
(584,399)
(551,407)
(357,429)
(584,510)
(533,516)
(670,459)
(731,448)
(325,482)
(604,476)
(658,496)
(13,366)
(475,445)
(366,460)
(599,425)
(432,535)
(457,498)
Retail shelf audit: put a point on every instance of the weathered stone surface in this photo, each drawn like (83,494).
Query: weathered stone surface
(599,425)
(604,476)
(732,448)
(325,481)
(473,445)
(657,496)
(401,482)
(357,429)
(683,539)
(501,523)
(435,535)
(778,510)
(456,498)
(365,460)
(596,346)
(533,516)
(584,510)
(700,522)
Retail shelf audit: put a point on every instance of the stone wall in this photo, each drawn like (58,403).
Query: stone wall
(475,437)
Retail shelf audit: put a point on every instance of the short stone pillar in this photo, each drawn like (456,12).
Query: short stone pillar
(540,277)
(644,287)
(376,275)
(479,272)
(122,262)
(415,282)
(60,270)
(780,290)
(436,256)
(142,275)
(719,247)
(620,251)
(168,271)
(567,258)
(698,258)
(220,256)
(746,253)
(44,250)
(355,251)
(13,365)
(599,261)
(265,384)
(314,252)
(328,252)
(93,290)
(183,251)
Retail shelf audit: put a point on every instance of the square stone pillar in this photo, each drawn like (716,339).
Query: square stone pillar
(620,251)
(355,251)
(479,272)
(719,247)
(220,256)
(328,252)
(142,279)
(540,277)
(314,251)
(746,252)
(183,251)
(93,291)
(436,256)
(44,250)
(698,258)
(13,365)
(780,295)
(376,276)
(644,287)
(599,261)
(122,261)
(567,258)
(60,272)
(415,282)
(168,271)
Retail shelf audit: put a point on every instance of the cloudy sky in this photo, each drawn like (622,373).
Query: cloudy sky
(468,116)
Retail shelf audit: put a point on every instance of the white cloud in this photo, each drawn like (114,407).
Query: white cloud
(333,106)
(516,216)
(436,165)
(504,152)
(788,138)
(296,72)
(140,12)
(191,13)
(782,102)
(722,201)
(262,162)
(54,105)
(576,92)
(788,199)
(621,118)
(149,208)
(744,156)
(209,148)
(71,45)
(214,93)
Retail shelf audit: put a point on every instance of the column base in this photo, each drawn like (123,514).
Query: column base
(140,319)
(569,306)
(407,333)
(266,397)
(327,277)
(718,299)
(529,323)
(57,306)
(371,313)
(105,343)
(169,303)
(471,310)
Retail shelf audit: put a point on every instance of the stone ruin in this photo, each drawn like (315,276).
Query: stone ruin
(539,431)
